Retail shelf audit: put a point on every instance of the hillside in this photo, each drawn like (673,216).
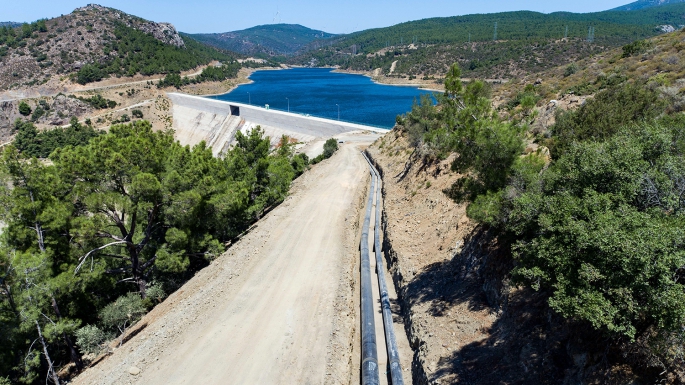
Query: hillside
(9,24)
(497,45)
(92,43)
(265,40)
(658,62)
(549,229)
(642,4)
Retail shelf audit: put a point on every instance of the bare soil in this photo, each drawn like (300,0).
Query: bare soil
(281,306)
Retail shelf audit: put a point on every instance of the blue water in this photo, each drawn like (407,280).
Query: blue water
(316,91)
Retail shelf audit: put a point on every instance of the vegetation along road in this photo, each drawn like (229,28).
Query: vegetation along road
(281,304)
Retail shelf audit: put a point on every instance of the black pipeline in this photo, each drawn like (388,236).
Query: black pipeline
(390,340)
(369,353)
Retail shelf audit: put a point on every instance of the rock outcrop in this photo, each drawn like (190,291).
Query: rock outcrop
(164,32)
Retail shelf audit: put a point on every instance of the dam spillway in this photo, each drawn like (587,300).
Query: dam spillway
(216,122)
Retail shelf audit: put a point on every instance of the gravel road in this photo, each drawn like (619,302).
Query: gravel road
(280,307)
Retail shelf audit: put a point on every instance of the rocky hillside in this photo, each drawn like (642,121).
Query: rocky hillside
(91,43)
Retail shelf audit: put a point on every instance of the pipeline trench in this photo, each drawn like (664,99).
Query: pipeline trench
(384,341)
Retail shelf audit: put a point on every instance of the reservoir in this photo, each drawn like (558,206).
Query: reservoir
(323,93)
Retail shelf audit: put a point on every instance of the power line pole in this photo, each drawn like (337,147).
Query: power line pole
(566,33)
(495,37)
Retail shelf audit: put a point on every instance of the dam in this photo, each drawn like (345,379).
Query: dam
(216,122)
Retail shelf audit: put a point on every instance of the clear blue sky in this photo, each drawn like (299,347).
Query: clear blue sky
(342,16)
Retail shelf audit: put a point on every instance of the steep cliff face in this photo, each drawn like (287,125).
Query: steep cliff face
(164,32)
(466,321)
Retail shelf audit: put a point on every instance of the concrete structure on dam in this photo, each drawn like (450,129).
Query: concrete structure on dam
(216,122)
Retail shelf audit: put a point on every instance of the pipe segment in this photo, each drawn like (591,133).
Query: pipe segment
(369,366)
(390,339)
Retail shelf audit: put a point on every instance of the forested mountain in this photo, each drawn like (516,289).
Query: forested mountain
(9,24)
(641,4)
(492,45)
(269,40)
(610,26)
(94,42)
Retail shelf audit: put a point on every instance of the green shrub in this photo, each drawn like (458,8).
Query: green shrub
(155,292)
(123,312)
(602,231)
(44,104)
(317,159)
(299,163)
(570,69)
(89,73)
(24,109)
(98,102)
(90,339)
(37,113)
(526,99)
(601,116)
(634,48)
(330,147)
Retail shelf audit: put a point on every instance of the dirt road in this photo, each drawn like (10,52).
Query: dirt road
(281,307)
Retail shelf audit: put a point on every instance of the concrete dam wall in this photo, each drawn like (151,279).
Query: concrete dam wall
(216,122)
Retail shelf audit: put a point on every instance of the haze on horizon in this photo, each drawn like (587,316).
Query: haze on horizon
(212,16)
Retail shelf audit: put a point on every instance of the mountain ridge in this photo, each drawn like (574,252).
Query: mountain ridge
(642,4)
(267,39)
(523,42)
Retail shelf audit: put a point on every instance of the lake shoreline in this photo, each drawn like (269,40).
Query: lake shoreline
(382,80)
(327,93)
(420,86)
